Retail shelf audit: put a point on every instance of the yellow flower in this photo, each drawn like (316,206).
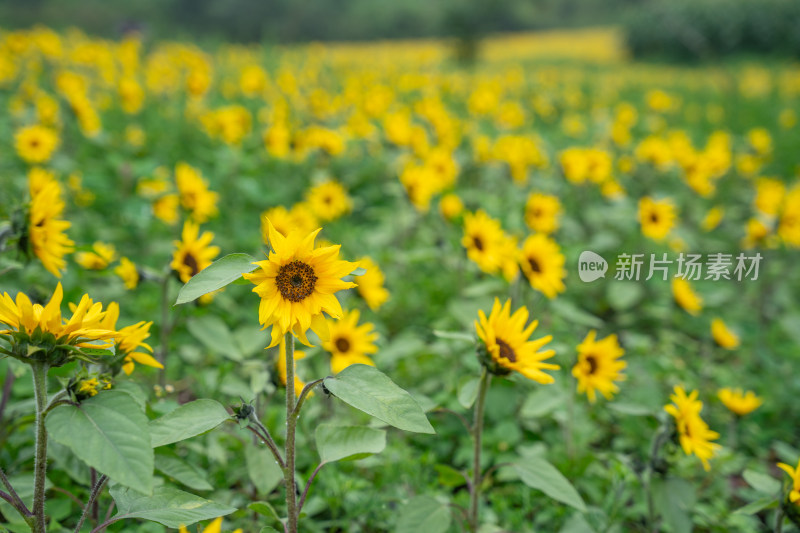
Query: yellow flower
(507,341)
(599,366)
(450,206)
(35,144)
(297,283)
(329,201)
(87,387)
(128,272)
(543,264)
(794,473)
(724,336)
(686,297)
(741,403)
(166,208)
(130,339)
(131,95)
(192,253)
(214,527)
(487,244)
(299,217)
(371,284)
(542,212)
(99,258)
(657,218)
(350,343)
(712,218)
(194,193)
(46,232)
(694,434)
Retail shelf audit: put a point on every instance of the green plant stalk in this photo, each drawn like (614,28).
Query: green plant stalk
(658,441)
(477,434)
(291,426)
(40,465)
(90,504)
(163,332)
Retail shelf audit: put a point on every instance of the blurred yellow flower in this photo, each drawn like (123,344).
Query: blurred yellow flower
(542,212)
(794,474)
(36,144)
(100,257)
(350,343)
(686,297)
(328,200)
(656,218)
(193,252)
(599,366)
(194,193)
(371,285)
(738,402)
(128,272)
(543,264)
(723,335)
(694,434)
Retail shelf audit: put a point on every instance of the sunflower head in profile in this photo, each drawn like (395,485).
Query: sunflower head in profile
(508,346)
(683,293)
(349,343)
(543,264)
(298,283)
(738,402)
(599,366)
(693,433)
(46,235)
(193,252)
(656,218)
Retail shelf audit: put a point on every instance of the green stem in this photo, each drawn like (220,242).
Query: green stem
(163,333)
(291,426)
(15,500)
(733,432)
(40,465)
(90,504)
(661,435)
(779,519)
(477,434)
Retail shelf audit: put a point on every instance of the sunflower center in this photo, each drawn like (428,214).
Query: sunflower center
(477,242)
(506,351)
(534,265)
(191,262)
(592,363)
(342,344)
(654,217)
(296,281)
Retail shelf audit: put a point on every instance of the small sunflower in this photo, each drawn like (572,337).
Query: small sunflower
(738,402)
(350,343)
(723,335)
(371,284)
(488,245)
(657,218)
(543,264)
(129,341)
(46,232)
(329,200)
(507,341)
(128,272)
(194,193)
(35,144)
(99,258)
(450,206)
(193,254)
(686,297)
(542,212)
(794,473)
(599,366)
(297,283)
(694,434)
(165,208)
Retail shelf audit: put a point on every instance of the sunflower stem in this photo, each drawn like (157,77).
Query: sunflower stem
(163,332)
(733,432)
(662,433)
(40,464)
(287,346)
(477,434)
(91,504)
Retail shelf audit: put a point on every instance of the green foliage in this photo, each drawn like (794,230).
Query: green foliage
(220,273)
(188,420)
(168,506)
(423,513)
(342,443)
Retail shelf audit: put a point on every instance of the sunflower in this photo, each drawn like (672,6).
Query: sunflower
(130,339)
(214,527)
(738,402)
(686,297)
(300,217)
(350,343)
(657,218)
(542,212)
(543,264)
(488,245)
(329,200)
(794,473)
(193,254)
(297,283)
(694,434)
(165,208)
(194,193)
(35,144)
(99,258)
(128,272)
(724,336)
(46,233)
(599,366)
(507,343)
(371,284)
(450,206)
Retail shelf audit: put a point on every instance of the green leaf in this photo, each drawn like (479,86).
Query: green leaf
(218,274)
(758,505)
(358,272)
(109,433)
(264,509)
(268,529)
(368,389)
(182,472)
(674,499)
(340,443)
(468,391)
(214,334)
(423,514)
(188,420)
(167,506)
(537,473)
(262,468)
(623,295)
(762,482)
(449,476)
(137,394)
(455,335)
(572,313)
(632,409)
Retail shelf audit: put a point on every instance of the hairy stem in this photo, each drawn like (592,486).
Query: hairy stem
(477,434)
(163,331)
(90,504)
(308,486)
(40,465)
(287,347)
(14,499)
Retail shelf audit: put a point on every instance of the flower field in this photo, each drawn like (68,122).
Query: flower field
(369,287)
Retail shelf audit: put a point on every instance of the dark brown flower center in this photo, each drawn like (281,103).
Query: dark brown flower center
(190,261)
(534,264)
(654,217)
(506,351)
(296,281)
(342,344)
(477,242)
(592,363)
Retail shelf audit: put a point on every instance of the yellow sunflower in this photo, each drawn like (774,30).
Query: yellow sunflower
(99,258)
(371,284)
(657,218)
(192,253)
(450,206)
(543,264)
(794,473)
(694,434)
(130,339)
(214,527)
(739,402)
(542,212)
(194,193)
(128,272)
(297,283)
(350,343)
(723,335)
(35,144)
(599,366)
(329,200)
(507,341)
(488,245)
(165,208)
(46,233)
(300,217)
(683,293)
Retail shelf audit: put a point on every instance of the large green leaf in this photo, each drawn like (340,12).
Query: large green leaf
(674,499)
(168,506)
(368,389)
(187,421)
(181,471)
(262,468)
(423,514)
(338,443)
(218,274)
(762,482)
(215,335)
(539,474)
(108,432)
